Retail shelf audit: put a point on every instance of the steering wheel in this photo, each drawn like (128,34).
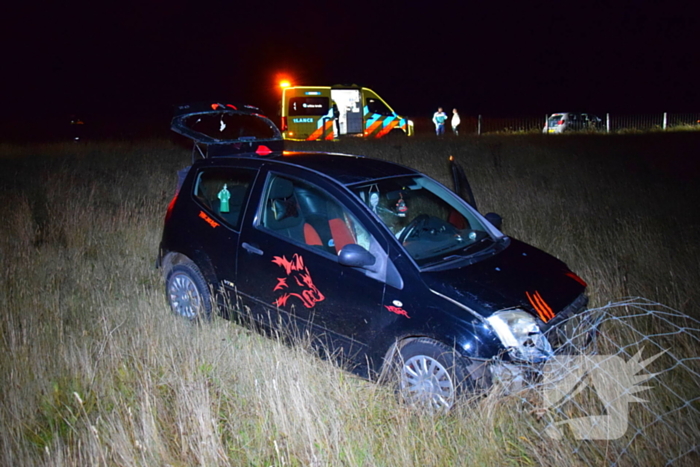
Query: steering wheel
(413,226)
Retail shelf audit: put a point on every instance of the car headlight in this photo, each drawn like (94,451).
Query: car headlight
(519,333)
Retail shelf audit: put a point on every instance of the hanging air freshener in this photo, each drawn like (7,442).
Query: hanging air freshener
(401,207)
(374,198)
(374,201)
(224,195)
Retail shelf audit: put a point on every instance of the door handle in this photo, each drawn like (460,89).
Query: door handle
(252,249)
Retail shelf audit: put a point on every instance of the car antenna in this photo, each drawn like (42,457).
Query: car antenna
(199,149)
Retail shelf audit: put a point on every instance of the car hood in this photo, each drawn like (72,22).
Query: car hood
(520,276)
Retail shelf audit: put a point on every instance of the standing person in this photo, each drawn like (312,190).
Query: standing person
(439,119)
(336,123)
(455,122)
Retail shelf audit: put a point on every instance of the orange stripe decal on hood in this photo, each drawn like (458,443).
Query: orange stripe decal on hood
(543,310)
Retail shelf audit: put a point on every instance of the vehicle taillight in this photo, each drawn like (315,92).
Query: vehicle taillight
(171,206)
(284,123)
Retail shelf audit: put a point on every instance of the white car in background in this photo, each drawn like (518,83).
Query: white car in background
(571,121)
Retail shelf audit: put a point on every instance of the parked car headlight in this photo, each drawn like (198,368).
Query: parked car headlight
(519,333)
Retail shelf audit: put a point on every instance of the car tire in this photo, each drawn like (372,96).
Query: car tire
(431,375)
(188,293)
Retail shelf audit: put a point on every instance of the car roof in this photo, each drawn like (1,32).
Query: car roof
(346,169)
(568,113)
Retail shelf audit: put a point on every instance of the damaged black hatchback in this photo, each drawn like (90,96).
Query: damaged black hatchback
(377,262)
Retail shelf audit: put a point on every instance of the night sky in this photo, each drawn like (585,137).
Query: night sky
(499,57)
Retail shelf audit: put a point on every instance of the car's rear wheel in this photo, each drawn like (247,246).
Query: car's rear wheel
(431,375)
(188,293)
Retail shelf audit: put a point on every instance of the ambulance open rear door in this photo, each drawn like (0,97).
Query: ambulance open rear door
(349,103)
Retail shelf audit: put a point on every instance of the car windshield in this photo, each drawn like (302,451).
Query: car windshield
(554,119)
(432,224)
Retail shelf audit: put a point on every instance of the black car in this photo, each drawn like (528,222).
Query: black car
(376,261)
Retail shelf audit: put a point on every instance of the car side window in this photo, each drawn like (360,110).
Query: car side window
(223,191)
(309,215)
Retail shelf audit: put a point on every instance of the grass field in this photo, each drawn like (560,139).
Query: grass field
(94,369)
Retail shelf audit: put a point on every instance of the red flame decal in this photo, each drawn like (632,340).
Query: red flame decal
(297,283)
(397,310)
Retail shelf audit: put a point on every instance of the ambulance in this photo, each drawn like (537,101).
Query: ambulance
(319,113)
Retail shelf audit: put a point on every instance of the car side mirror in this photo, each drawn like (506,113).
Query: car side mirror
(355,256)
(494,219)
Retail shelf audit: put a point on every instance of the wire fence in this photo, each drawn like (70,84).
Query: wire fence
(646,122)
(631,396)
(609,123)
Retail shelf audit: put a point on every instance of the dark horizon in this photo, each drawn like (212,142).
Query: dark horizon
(506,59)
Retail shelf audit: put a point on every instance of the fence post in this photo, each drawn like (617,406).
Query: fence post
(607,122)
(478,126)
(665,120)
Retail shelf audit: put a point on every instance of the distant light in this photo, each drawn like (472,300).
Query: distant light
(285,84)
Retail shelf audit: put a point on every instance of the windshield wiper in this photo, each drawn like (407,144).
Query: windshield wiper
(477,243)
(448,260)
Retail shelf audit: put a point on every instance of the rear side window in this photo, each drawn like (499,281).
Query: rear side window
(223,192)
(308,106)
(227,126)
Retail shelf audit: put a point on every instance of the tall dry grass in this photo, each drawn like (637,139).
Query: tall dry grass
(94,369)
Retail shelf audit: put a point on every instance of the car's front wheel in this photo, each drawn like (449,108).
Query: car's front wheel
(431,375)
(187,292)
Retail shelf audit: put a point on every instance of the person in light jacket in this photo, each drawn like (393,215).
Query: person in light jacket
(439,119)
(455,122)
